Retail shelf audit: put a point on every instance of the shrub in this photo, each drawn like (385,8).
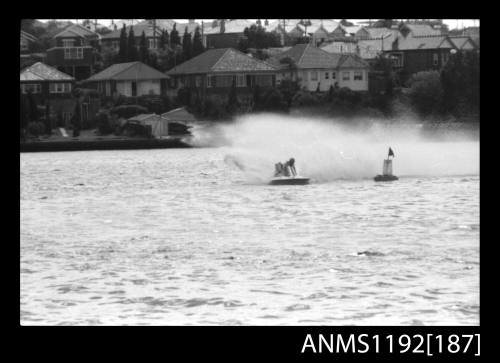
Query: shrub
(304,98)
(426,92)
(272,100)
(36,128)
(105,123)
(127,111)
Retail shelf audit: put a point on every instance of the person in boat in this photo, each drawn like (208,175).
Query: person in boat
(291,164)
(279,169)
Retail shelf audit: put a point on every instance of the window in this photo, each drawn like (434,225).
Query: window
(346,76)
(327,75)
(397,59)
(33,87)
(60,87)
(223,81)
(304,76)
(213,81)
(334,75)
(152,43)
(198,81)
(115,44)
(240,80)
(73,53)
(67,43)
(314,76)
(358,75)
(435,59)
(263,80)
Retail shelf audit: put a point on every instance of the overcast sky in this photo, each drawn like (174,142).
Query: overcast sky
(452,23)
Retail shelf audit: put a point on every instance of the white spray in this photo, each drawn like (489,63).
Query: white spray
(326,150)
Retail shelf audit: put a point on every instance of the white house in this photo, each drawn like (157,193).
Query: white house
(316,69)
(129,79)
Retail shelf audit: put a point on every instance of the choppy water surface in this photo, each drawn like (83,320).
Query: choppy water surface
(180,237)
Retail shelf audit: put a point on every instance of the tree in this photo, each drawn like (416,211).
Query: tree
(257,37)
(132,54)
(175,39)
(198,47)
(426,92)
(186,45)
(123,53)
(143,49)
(460,80)
(163,41)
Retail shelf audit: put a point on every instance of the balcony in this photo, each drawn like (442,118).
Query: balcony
(83,55)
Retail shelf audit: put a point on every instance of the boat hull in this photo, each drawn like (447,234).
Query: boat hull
(382,178)
(289,181)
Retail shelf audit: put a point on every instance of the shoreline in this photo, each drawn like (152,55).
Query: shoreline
(106,144)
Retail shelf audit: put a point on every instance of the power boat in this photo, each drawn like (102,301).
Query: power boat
(289,180)
(286,174)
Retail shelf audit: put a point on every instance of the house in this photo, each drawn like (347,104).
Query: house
(129,79)
(216,70)
(74,51)
(370,49)
(473,33)
(345,45)
(51,87)
(111,41)
(316,69)
(26,40)
(226,34)
(418,30)
(179,121)
(415,54)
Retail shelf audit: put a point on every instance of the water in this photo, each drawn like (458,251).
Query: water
(185,237)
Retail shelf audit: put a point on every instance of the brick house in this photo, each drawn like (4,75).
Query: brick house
(26,40)
(215,70)
(316,69)
(416,54)
(111,41)
(130,79)
(227,34)
(49,87)
(74,51)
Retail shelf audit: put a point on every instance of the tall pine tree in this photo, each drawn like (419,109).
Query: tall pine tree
(143,49)
(122,54)
(198,47)
(186,45)
(132,54)
(175,39)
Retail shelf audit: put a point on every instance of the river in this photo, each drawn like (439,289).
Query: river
(183,237)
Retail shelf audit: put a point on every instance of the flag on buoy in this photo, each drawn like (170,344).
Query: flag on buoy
(391,153)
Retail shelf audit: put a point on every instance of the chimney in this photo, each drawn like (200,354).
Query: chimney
(222,26)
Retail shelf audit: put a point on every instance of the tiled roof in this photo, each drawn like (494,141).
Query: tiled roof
(221,60)
(42,72)
(419,30)
(167,24)
(352,61)
(433,42)
(370,48)
(127,71)
(76,30)
(328,24)
(377,33)
(352,29)
(138,29)
(234,26)
(460,41)
(307,56)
